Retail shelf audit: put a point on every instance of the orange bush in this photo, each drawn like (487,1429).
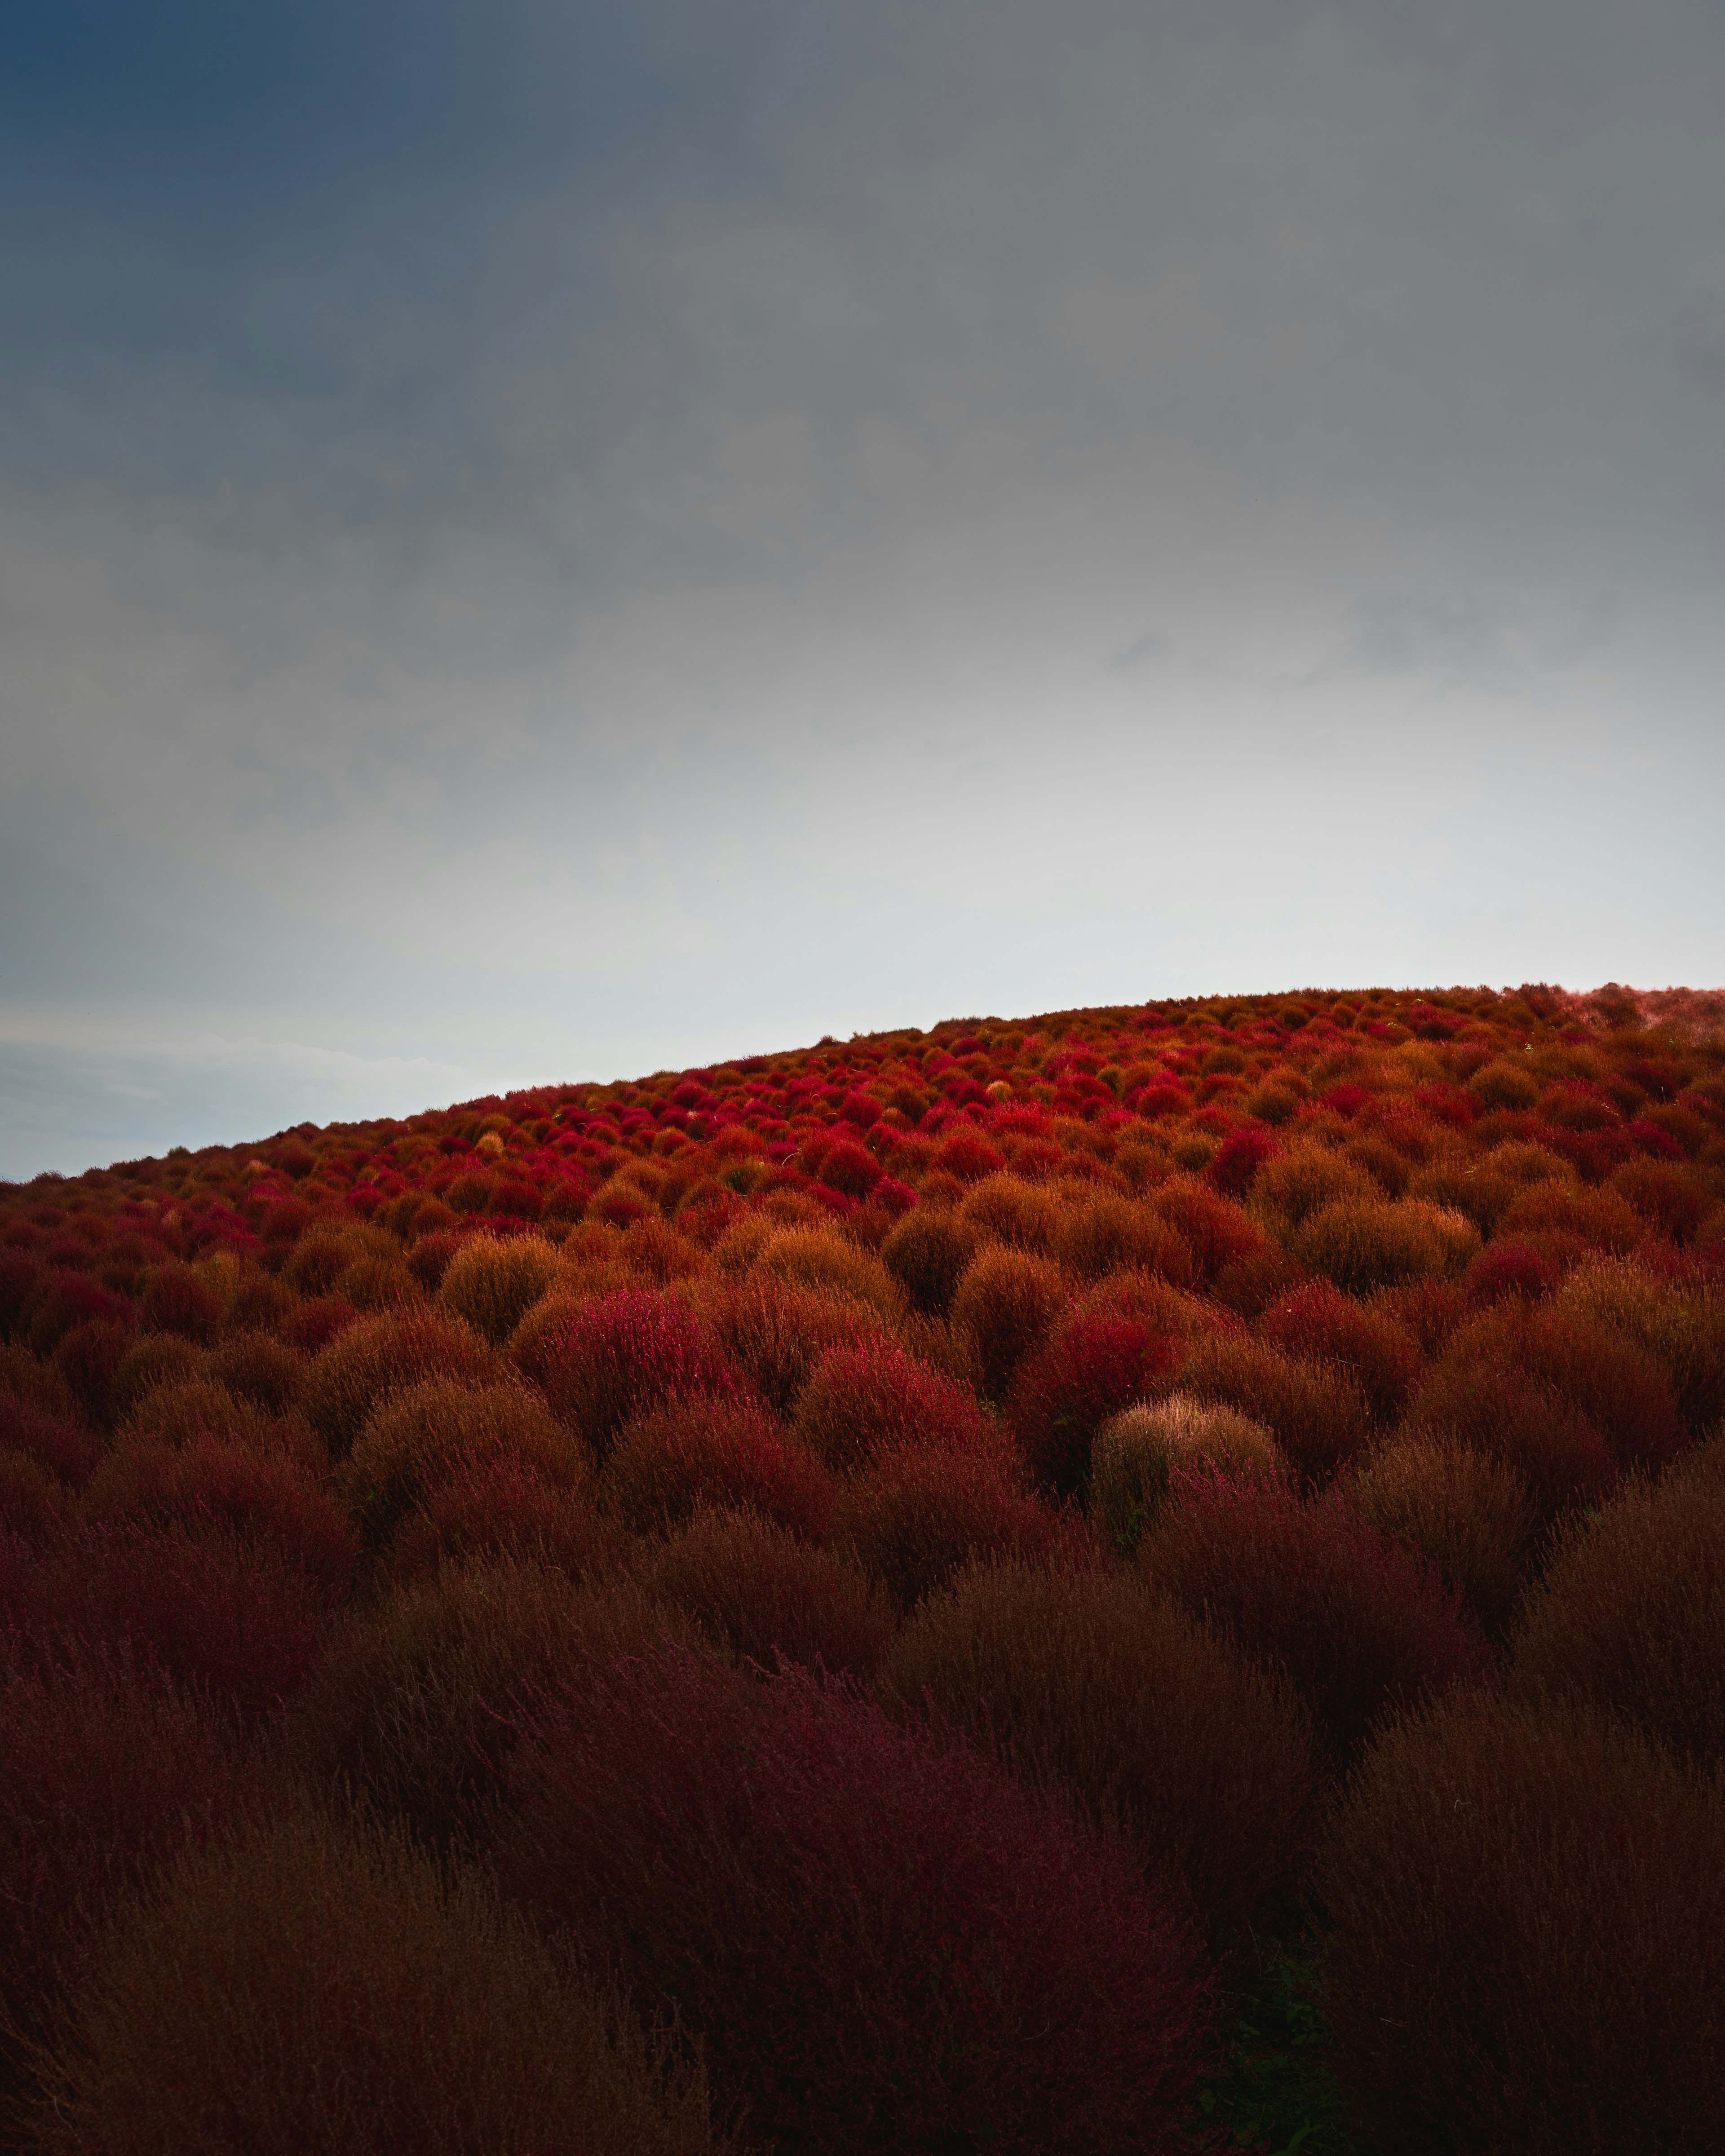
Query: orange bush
(1105,1234)
(1316,1413)
(1365,1244)
(1008,1301)
(1472,1517)
(1008,1209)
(259,1368)
(1528,1949)
(927,1253)
(370,1361)
(1318,1323)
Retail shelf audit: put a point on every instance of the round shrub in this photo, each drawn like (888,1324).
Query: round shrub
(1529,1942)
(67,1300)
(372,1360)
(1363,1245)
(1091,1685)
(1315,1412)
(1136,1451)
(1105,1234)
(1673,1201)
(1472,1517)
(1236,1163)
(1604,1218)
(1494,1406)
(1360,1626)
(777,1333)
(89,1358)
(821,1259)
(927,1252)
(885,1944)
(1500,1083)
(33,1503)
(157,1359)
(1009,1208)
(178,1300)
(1622,1392)
(1095,1364)
(1316,1322)
(493,1285)
(916,1517)
(726,1455)
(500,1508)
(1631,1614)
(67,1450)
(1301,1182)
(626,1354)
(1008,1301)
(317,1984)
(259,1368)
(1218,1232)
(1683,1332)
(205,1413)
(762,1592)
(863,1397)
(420,1704)
(420,1437)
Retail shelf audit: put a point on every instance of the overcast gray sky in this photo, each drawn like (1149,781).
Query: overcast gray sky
(554,541)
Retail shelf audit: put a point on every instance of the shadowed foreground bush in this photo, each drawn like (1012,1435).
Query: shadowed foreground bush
(887,1944)
(1529,1948)
(1360,1626)
(317,1988)
(1097,1686)
(501,1507)
(757,1590)
(724,1454)
(916,1517)
(1631,1615)
(1472,1517)
(1136,1450)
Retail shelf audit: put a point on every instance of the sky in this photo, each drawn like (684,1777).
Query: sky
(559,541)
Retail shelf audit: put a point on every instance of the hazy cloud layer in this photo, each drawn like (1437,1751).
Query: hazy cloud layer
(569,540)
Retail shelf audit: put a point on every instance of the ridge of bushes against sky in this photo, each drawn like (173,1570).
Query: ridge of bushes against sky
(887,1596)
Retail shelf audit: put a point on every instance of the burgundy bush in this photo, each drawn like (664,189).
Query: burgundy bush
(626,1354)
(1317,1322)
(1360,1626)
(67,1450)
(759,1591)
(1498,1408)
(873,1394)
(501,1507)
(693,1453)
(885,1944)
(178,1300)
(1094,1365)
(66,1298)
(1233,1167)
(916,1517)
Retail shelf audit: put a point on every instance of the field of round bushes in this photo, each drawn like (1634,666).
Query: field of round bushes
(1141,1579)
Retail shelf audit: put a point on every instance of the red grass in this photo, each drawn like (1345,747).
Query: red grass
(761,1592)
(316,1984)
(874,1395)
(1360,1626)
(692,1454)
(885,1944)
(1095,1365)
(1529,1943)
(625,1355)
(916,1517)
(1150,1724)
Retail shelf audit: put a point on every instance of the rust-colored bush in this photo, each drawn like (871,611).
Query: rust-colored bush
(370,1361)
(1631,1614)
(1301,1182)
(33,1503)
(626,1354)
(178,1300)
(776,1332)
(259,1368)
(1528,1950)
(916,1517)
(157,1359)
(1622,1392)
(1684,1332)
(1008,1301)
(1672,1199)
(821,1259)
(1136,1450)
(1102,1234)
(873,1395)
(501,1507)
(204,1412)
(417,1438)
(1360,1626)
(1604,1218)
(67,1450)
(1365,1244)
(1471,1515)
(1008,1209)
(1218,1232)
(1095,1364)
(316,1983)
(1316,1322)
(1315,1412)
(691,1454)
(762,1592)
(1495,1406)
(1501,1083)
(493,1285)
(927,1253)
(1094,1685)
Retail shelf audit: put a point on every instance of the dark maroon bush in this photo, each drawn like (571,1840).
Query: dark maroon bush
(1315,1411)
(1094,1365)
(20,1278)
(91,1358)
(311,1328)
(1217,1232)
(916,1517)
(885,1944)
(1361,1626)
(626,1354)
(1674,1201)
(1631,1614)
(693,1453)
(1528,1951)
(1316,1322)
(1470,1515)
(68,1299)
(178,1300)
(501,1507)
(873,1394)
(1092,1684)
(33,1504)
(66,1449)
(1516,1265)
(760,1591)
(1496,1407)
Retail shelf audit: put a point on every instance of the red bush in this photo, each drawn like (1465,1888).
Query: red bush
(726,1455)
(178,1300)
(1631,1615)
(1095,1365)
(886,1945)
(1360,1626)
(1090,1684)
(1496,1407)
(33,1504)
(1318,1324)
(627,1354)
(760,1591)
(1233,1167)
(64,1300)
(500,1507)
(871,1395)
(916,1517)
(89,1357)
(1217,1232)
(1529,1944)
(65,1448)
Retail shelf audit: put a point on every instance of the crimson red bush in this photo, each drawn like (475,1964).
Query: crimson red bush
(1095,1364)
(724,1454)
(178,1300)
(1360,1626)
(1316,1322)
(886,1945)
(873,1395)
(624,1355)
(501,1507)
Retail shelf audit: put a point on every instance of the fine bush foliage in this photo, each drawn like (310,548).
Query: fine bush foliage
(178,1300)
(927,1253)
(500,1507)
(873,1395)
(1096,1686)
(1360,1626)
(259,1368)
(762,1592)
(493,1285)
(726,1455)
(1622,1392)
(916,1517)
(1495,1407)
(886,1945)
(378,1357)
(1631,1615)
(1472,1517)
(818,1257)
(1363,1245)
(1096,1364)
(33,1503)
(626,1354)
(1529,1943)
(1604,1219)
(1316,1413)
(1136,1452)
(316,1983)
(776,1332)
(155,1360)
(63,1448)
(1008,1209)
(1105,1234)
(1684,1332)
(1318,1323)
(1008,1301)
